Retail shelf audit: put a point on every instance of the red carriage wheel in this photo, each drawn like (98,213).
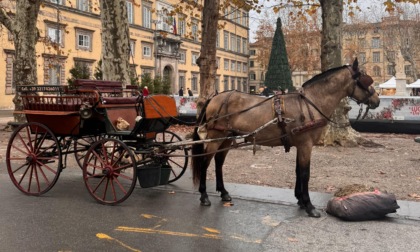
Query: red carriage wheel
(33,158)
(82,145)
(109,171)
(177,158)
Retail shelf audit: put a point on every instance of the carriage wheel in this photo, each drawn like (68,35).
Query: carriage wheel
(109,171)
(178,158)
(33,158)
(82,145)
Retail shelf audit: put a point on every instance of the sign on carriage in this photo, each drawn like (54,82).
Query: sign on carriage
(40,88)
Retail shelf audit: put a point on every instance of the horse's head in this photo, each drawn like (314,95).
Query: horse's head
(362,91)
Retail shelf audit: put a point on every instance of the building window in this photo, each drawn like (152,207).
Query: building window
(244,46)
(194,30)
(217,39)
(83,5)
(194,58)
(57,1)
(232,84)
(375,42)
(238,66)
(391,56)
(376,57)
(232,65)
(226,40)
(54,74)
(10,88)
(147,16)
(390,70)
(218,62)
(252,76)
(130,12)
(84,39)
(362,57)
(252,52)
(55,35)
(226,83)
(245,68)
(181,26)
(226,64)
(232,42)
(217,83)
(132,48)
(408,70)
(182,56)
(181,81)
(147,51)
(238,44)
(376,71)
(194,82)
(251,63)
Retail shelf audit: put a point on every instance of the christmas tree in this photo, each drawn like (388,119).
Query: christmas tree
(278,75)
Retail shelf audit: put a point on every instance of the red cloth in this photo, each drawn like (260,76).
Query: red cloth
(145,92)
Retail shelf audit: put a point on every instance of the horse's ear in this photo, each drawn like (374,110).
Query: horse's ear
(355,64)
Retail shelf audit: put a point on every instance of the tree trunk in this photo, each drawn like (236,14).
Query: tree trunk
(115,41)
(332,20)
(25,36)
(207,59)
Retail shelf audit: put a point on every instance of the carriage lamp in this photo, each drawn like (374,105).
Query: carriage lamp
(85,111)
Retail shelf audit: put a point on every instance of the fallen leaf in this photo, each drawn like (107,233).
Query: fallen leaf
(291,239)
(227,204)
(330,188)
(382,172)
(171,192)
(414,195)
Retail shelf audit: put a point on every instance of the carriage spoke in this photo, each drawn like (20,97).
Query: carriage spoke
(115,166)
(33,158)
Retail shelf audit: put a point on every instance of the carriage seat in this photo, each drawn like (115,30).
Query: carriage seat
(120,100)
(101,86)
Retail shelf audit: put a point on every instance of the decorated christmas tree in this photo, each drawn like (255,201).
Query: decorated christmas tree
(278,75)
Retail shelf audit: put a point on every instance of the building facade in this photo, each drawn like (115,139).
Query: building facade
(162,44)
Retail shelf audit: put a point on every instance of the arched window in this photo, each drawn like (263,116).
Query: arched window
(376,71)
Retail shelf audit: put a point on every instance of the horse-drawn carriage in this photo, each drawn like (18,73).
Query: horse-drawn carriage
(115,134)
(83,122)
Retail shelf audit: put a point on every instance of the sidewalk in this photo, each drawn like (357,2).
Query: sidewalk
(408,209)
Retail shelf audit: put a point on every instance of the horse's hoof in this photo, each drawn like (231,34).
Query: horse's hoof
(313,213)
(301,205)
(205,202)
(226,197)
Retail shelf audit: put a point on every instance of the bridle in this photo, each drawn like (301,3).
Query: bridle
(364,85)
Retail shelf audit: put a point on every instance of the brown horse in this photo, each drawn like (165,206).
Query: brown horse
(294,119)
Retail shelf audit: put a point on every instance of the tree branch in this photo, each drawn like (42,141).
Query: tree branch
(6,20)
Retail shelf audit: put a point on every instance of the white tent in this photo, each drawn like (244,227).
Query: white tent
(391,83)
(415,84)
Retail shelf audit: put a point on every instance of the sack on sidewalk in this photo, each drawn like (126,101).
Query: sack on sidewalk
(360,206)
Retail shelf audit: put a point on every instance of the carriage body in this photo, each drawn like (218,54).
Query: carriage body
(83,121)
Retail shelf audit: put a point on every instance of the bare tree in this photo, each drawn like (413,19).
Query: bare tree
(22,25)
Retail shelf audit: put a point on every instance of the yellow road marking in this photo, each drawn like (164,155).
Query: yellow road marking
(109,238)
(182,234)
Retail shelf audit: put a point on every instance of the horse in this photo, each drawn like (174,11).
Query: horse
(293,119)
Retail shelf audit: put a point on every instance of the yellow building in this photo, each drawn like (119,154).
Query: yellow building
(160,44)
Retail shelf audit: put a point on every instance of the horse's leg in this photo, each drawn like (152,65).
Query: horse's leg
(303,161)
(211,148)
(219,159)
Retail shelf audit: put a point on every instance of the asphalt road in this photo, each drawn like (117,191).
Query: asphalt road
(169,219)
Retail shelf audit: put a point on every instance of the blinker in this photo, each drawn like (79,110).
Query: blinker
(365,81)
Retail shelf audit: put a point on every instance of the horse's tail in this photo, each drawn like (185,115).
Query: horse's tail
(198,160)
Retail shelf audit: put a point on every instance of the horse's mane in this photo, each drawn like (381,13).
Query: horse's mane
(322,76)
